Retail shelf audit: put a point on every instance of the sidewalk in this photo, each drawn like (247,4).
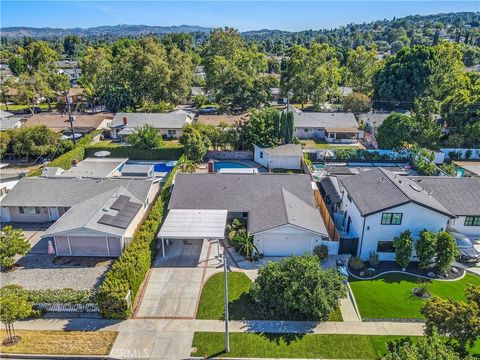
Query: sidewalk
(139,326)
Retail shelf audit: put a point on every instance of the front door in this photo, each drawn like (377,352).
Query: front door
(349,222)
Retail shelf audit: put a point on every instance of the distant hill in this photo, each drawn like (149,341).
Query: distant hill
(116,30)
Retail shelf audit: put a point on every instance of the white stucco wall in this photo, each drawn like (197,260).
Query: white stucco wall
(415,218)
(291,162)
(459,225)
(301,134)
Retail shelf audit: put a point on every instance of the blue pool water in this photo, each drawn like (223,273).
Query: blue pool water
(162,167)
(229,165)
(318,166)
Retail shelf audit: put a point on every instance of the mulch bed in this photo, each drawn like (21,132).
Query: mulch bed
(384,266)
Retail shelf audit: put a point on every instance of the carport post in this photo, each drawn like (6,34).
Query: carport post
(163,247)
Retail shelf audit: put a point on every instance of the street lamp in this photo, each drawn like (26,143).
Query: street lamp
(225,289)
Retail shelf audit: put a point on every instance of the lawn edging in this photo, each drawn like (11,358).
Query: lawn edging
(406,273)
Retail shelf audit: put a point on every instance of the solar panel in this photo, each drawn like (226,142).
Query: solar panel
(120,202)
(126,212)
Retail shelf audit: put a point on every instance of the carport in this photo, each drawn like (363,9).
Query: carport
(193,225)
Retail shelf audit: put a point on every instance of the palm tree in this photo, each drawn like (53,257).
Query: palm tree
(245,243)
(188,166)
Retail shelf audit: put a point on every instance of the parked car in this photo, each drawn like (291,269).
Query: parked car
(36,110)
(208,110)
(467,252)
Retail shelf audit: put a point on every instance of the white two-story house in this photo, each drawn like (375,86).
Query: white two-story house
(376,206)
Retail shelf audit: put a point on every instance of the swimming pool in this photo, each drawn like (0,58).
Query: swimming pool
(161,167)
(229,165)
(318,166)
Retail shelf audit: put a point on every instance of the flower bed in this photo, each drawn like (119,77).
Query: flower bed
(383,267)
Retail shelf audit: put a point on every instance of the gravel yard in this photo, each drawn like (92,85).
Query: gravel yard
(37,271)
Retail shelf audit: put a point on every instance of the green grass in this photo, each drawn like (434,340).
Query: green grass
(390,296)
(241,307)
(322,144)
(309,346)
(17,107)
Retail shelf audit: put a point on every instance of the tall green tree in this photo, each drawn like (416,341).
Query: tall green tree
(260,128)
(145,137)
(403,246)
(446,250)
(396,130)
(360,66)
(426,248)
(39,53)
(195,143)
(12,243)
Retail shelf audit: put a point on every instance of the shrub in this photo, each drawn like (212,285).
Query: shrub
(446,250)
(321,251)
(373,258)
(403,246)
(355,263)
(426,248)
(134,153)
(297,288)
(51,296)
(12,243)
(344,154)
(129,270)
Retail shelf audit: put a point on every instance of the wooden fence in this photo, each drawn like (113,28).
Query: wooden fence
(327,219)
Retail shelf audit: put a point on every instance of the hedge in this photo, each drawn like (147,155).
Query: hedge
(134,153)
(65,160)
(130,269)
(52,296)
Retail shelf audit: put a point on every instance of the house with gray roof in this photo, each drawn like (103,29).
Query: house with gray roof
(167,124)
(280,209)
(9,121)
(461,196)
(334,127)
(91,217)
(373,207)
(288,156)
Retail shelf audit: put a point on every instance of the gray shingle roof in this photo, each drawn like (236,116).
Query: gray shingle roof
(461,196)
(332,189)
(59,191)
(7,123)
(86,214)
(379,189)
(376,118)
(172,120)
(272,200)
(5,114)
(94,167)
(287,149)
(324,120)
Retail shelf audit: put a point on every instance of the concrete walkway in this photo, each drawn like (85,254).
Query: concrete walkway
(140,326)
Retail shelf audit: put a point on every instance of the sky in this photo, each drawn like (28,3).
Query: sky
(243,15)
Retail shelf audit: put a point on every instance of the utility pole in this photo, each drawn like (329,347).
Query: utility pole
(70,117)
(225,289)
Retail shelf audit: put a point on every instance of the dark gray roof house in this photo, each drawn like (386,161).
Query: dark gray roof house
(271,200)
(326,120)
(378,189)
(461,196)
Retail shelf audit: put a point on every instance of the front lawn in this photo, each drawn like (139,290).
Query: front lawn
(241,306)
(390,296)
(18,107)
(59,342)
(309,346)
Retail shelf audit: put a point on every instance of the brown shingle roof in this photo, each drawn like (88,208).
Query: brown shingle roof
(58,122)
(216,120)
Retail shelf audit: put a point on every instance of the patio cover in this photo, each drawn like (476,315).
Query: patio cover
(194,224)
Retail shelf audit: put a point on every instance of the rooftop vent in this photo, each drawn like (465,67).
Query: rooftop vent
(416,187)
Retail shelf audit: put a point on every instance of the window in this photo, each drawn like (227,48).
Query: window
(29,210)
(261,154)
(472,221)
(392,218)
(306,130)
(171,132)
(385,246)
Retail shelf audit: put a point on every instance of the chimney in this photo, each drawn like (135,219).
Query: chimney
(125,121)
(74,162)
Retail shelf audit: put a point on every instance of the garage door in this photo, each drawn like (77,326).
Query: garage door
(286,247)
(88,246)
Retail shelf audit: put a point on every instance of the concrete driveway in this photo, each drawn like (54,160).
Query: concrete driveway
(174,283)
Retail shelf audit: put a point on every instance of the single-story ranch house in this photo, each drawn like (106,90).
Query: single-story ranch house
(92,217)
(333,127)
(9,121)
(82,124)
(288,156)
(279,208)
(167,124)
